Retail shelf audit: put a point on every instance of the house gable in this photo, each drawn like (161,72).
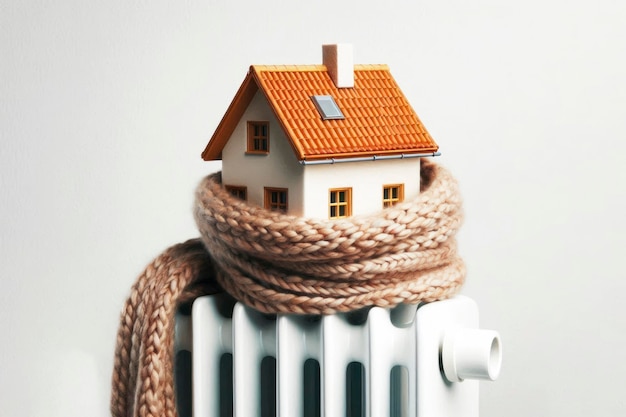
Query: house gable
(277,168)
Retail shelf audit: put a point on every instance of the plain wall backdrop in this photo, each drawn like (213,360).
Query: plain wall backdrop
(105,108)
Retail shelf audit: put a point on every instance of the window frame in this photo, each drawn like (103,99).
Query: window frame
(337,204)
(267,199)
(252,138)
(391,201)
(238,191)
(322,104)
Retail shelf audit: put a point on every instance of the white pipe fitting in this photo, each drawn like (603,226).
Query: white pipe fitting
(471,354)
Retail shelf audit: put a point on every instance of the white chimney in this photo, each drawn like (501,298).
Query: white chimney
(339,62)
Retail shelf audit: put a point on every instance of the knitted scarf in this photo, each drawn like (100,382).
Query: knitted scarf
(278,263)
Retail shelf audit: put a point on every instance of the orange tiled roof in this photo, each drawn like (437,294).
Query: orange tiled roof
(378,118)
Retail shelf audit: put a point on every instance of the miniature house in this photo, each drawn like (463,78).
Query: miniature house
(345,133)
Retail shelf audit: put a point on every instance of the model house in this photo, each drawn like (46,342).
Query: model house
(322,141)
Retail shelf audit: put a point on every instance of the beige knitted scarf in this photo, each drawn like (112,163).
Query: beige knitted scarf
(278,263)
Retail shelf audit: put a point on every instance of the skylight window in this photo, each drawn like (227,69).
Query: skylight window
(327,107)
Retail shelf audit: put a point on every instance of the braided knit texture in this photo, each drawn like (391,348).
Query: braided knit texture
(277,263)
(143,374)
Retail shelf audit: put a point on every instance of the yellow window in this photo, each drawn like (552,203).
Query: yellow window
(392,194)
(340,203)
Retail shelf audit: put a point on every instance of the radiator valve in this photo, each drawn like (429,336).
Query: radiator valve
(468,353)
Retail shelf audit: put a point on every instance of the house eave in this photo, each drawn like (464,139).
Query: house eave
(378,157)
(243,97)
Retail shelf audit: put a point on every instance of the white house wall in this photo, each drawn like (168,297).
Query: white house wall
(308,186)
(279,168)
(366,180)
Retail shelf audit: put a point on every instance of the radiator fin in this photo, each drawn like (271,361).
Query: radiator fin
(372,363)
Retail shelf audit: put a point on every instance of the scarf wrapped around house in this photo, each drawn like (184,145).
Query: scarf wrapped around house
(278,263)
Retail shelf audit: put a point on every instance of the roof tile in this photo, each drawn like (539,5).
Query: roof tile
(378,118)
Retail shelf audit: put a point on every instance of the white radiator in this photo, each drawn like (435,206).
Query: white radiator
(410,361)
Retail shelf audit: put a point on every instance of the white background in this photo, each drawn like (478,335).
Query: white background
(106,106)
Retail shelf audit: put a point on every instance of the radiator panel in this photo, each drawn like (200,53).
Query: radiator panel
(398,350)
